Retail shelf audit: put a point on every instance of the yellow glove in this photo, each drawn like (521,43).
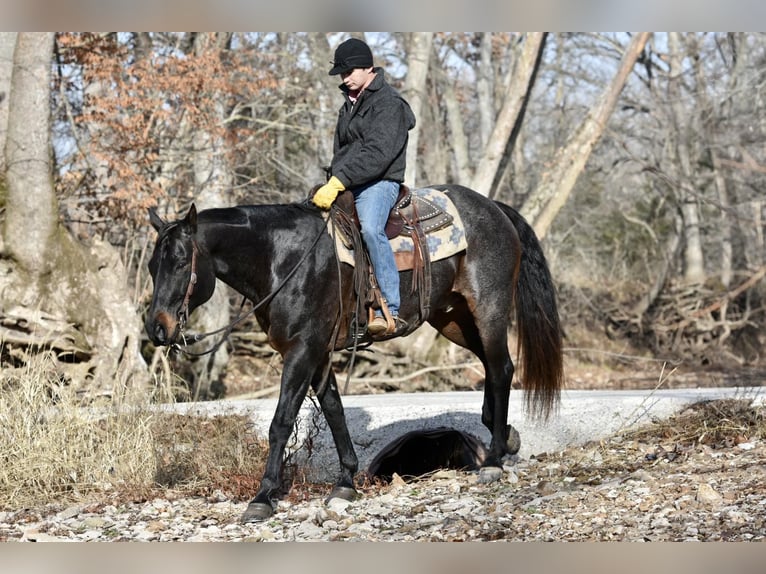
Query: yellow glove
(326,194)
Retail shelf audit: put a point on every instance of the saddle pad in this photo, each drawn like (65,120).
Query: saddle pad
(442,243)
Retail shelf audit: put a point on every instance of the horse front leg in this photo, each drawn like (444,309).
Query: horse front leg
(298,372)
(329,400)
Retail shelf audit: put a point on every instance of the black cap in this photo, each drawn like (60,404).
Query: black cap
(352,53)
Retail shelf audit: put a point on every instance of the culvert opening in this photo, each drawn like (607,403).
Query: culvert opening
(424,451)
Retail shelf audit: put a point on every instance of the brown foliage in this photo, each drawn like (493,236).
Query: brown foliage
(137,117)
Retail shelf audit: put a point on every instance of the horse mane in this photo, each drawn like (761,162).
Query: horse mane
(239,214)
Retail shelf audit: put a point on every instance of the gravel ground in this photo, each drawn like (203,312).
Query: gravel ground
(643,487)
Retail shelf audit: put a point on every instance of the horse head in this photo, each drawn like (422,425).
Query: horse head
(182,275)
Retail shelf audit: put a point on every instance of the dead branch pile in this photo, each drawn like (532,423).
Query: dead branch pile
(701,324)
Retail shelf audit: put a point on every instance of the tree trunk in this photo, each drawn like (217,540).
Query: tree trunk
(710,131)
(434,151)
(44,271)
(414,91)
(669,254)
(694,263)
(327,100)
(213,182)
(32,218)
(454,118)
(212,177)
(485,89)
(7,45)
(544,203)
(518,87)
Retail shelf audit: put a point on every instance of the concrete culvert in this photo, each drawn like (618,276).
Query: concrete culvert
(422,451)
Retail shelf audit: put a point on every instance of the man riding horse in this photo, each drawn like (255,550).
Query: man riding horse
(369,148)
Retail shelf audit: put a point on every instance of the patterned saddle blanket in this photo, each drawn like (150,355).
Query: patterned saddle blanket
(439,221)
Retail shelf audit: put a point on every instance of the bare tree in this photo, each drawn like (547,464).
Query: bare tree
(694,268)
(323,121)
(414,91)
(59,294)
(711,135)
(485,83)
(544,203)
(517,90)
(31,221)
(455,130)
(7,45)
(213,184)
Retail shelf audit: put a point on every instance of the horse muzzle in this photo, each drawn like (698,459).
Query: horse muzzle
(163,329)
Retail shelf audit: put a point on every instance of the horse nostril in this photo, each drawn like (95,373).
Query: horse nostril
(160,335)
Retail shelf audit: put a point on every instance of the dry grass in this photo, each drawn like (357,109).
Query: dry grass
(54,450)
(717,424)
(203,455)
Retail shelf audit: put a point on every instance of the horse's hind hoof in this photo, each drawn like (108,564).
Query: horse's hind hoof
(256,512)
(488,474)
(344,493)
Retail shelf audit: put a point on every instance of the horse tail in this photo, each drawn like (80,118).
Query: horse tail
(539,348)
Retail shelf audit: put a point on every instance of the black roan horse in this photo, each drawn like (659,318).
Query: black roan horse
(282,252)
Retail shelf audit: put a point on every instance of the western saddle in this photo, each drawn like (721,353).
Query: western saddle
(412,216)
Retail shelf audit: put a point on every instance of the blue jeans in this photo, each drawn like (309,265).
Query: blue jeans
(373,204)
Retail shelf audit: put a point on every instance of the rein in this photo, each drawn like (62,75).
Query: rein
(230,327)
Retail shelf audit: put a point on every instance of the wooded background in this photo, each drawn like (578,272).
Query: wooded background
(638,158)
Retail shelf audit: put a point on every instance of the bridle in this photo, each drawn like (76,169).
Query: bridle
(183,314)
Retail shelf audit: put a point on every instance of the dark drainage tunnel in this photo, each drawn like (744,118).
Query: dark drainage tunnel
(423,451)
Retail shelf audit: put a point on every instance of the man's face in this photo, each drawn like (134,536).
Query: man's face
(357,79)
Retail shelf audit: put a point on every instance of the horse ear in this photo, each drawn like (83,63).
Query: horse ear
(155,219)
(191,217)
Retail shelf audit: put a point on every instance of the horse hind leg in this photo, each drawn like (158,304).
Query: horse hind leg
(497,389)
(490,345)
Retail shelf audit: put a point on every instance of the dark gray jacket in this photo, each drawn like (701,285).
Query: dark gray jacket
(371,136)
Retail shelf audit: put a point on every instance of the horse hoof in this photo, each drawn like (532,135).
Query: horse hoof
(488,474)
(344,493)
(256,512)
(513,444)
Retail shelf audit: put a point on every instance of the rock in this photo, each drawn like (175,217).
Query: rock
(91,535)
(156,526)
(95,522)
(551,499)
(397,481)
(443,474)
(338,505)
(546,487)
(488,474)
(70,512)
(309,531)
(706,494)
(34,535)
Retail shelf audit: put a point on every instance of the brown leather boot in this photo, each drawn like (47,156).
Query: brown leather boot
(377,326)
